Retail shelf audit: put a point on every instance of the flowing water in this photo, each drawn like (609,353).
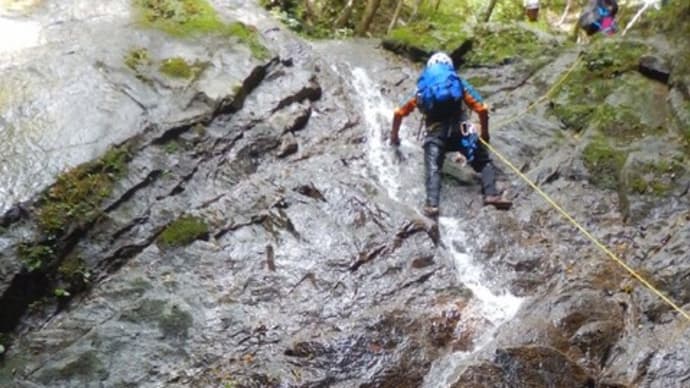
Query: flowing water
(402,176)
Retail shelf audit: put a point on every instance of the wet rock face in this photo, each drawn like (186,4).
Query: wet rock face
(248,243)
(526,366)
(244,247)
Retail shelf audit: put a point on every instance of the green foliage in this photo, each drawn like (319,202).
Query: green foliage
(35,256)
(508,11)
(74,199)
(182,18)
(61,293)
(603,162)
(441,32)
(183,231)
(499,46)
(671,19)
(73,271)
(136,58)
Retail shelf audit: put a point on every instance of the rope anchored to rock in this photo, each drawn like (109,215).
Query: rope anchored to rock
(567,216)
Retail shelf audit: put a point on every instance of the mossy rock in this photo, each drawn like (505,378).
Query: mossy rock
(87,365)
(418,40)
(656,177)
(175,323)
(149,310)
(35,256)
(494,46)
(137,58)
(183,231)
(608,67)
(184,18)
(604,163)
(73,271)
(178,67)
(74,199)
(606,58)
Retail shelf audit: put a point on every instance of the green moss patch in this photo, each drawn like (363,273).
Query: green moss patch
(494,47)
(178,67)
(35,256)
(136,58)
(249,36)
(604,163)
(183,231)
(439,32)
(607,58)
(581,98)
(655,178)
(75,198)
(182,18)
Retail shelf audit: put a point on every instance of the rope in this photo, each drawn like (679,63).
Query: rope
(586,233)
(544,97)
(565,214)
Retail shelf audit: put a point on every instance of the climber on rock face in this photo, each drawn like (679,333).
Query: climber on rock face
(439,96)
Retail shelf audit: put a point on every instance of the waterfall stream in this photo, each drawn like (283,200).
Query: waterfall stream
(404,183)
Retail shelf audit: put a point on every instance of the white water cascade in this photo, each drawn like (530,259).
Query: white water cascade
(18,34)
(490,307)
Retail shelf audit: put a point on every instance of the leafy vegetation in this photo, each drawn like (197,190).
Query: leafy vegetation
(35,256)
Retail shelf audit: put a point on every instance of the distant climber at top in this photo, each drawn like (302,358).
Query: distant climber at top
(439,96)
(599,16)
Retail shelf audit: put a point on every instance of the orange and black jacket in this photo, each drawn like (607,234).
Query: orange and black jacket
(470,97)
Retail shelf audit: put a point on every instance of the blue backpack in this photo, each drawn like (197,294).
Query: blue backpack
(439,91)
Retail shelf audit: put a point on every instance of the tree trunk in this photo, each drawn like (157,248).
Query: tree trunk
(438,4)
(415,10)
(490,10)
(344,16)
(309,12)
(396,14)
(369,12)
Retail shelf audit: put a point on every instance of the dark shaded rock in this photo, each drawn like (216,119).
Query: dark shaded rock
(655,68)
(411,52)
(480,375)
(288,146)
(540,366)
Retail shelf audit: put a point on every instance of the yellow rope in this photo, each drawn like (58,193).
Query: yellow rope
(586,233)
(542,98)
(563,212)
